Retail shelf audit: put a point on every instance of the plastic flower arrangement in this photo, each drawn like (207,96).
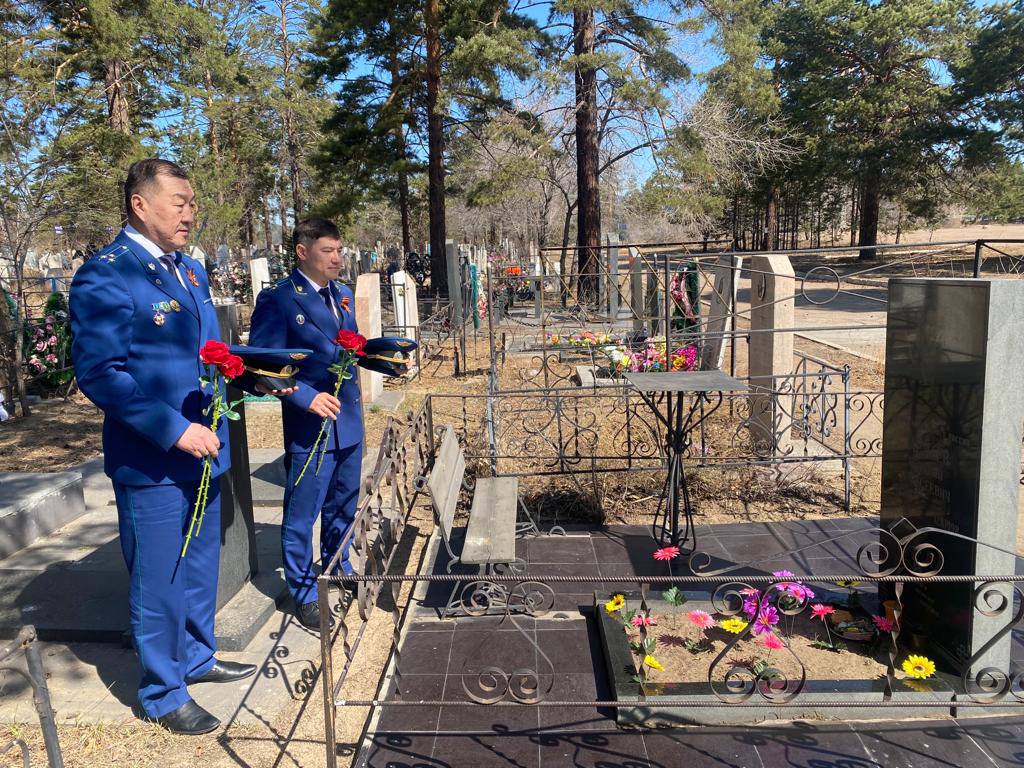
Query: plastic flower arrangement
(615,604)
(918,667)
(702,619)
(733,625)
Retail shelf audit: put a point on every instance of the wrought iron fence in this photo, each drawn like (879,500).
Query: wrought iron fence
(895,559)
(35,676)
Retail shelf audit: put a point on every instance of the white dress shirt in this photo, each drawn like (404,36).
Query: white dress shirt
(317,287)
(153,250)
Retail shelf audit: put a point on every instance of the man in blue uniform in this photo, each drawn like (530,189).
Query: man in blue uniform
(307,309)
(140,311)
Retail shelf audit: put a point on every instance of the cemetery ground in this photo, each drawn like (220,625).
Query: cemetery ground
(277,719)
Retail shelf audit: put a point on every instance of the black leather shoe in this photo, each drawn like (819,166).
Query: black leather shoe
(188,720)
(225,672)
(309,615)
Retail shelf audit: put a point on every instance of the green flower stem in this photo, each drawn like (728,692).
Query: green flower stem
(199,511)
(345,362)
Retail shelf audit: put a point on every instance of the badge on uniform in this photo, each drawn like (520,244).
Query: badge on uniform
(191,275)
(159,318)
(300,319)
(345,304)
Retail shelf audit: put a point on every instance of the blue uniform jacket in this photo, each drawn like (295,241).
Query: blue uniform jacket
(136,339)
(292,315)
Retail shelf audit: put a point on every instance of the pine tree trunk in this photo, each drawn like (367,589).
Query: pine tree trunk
(291,136)
(268,240)
(588,213)
(771,213)
(853,216)
(117,99)
(435,151)
(870,200)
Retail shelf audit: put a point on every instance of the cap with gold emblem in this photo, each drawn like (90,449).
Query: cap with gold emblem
(273,368)
(389,355)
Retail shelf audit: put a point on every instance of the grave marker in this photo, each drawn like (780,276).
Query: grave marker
(954,417)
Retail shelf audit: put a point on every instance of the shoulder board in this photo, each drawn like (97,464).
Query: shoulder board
(111,253)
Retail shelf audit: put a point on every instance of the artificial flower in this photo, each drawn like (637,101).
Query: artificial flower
(882,623)
(733,625)
(642,621)
(919,667)
(666,553)
(848,583)
(701,618)
(653,663)
(615,604)
(820,611)
(772,641)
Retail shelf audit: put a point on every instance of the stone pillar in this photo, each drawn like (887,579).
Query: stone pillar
(239,560)
(403,293)
(721,315)
(259,274)
(368,319)
(612,255)
(770,354)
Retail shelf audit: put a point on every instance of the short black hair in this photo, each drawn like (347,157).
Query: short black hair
(308,231)
(144,172)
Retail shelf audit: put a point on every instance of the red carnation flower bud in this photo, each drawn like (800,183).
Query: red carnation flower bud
(352,341)
(232,367)
(214,352)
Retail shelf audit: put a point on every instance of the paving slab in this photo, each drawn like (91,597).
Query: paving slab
(97,682)
(33,504)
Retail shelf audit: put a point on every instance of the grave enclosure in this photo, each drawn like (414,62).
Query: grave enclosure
(801,410)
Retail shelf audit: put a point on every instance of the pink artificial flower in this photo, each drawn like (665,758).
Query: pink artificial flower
(701,618)
(51,358)
(772,642)
(49,318)
(40,346)
(642,621)
(52,340)
(820,611)
(666,553)
(882,623)
(766,621)
(749,592)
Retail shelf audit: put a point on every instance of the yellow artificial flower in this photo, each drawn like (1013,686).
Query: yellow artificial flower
(653,663)
(733,625)
(848,583)
(919,667)
(615,604)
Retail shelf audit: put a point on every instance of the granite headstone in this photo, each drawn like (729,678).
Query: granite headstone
(951,455)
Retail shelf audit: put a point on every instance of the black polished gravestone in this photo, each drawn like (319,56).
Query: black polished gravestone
(238,561)
(951,455)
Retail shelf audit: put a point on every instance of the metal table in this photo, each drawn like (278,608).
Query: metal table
(681,401)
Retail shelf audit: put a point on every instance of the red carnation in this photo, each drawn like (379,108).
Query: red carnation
(352,341)
(214,352)
(232,367)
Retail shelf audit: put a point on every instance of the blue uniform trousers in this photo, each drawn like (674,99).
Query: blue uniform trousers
(333,495)
(171,599)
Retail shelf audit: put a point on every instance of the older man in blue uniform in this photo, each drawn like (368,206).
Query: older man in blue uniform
(140,311)
(307,309)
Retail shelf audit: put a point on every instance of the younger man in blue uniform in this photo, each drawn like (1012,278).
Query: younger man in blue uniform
(140,312)
(306,310)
